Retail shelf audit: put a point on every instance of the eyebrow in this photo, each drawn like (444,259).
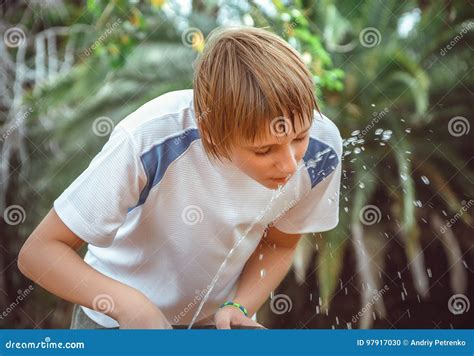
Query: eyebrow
(266,146)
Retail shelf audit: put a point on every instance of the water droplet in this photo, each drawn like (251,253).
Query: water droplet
(428,270)
(357,150)
(260,257)
(361,185)
(373,105)
(418,203)
(403,176)
(355,133)
(425,180)
(263,273)
(378,131)
(346,209)
(386,135)
(408,130)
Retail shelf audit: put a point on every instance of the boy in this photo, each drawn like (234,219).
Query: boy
(243,161)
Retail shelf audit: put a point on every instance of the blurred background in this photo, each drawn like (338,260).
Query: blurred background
(395,76)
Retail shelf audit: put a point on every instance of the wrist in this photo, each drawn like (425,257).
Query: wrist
(129,304)
(236,305)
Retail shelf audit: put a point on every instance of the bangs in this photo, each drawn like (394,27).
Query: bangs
(247,80)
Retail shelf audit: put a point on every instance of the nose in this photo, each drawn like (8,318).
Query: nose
(287,163)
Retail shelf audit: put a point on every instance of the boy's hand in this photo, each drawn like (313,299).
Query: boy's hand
(144,315)
(230,316)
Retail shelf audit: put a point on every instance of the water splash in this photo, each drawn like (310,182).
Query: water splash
(425,180)
(386,135)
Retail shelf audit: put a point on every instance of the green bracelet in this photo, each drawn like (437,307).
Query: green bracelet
(237,305)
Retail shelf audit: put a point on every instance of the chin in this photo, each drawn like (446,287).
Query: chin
(270,184)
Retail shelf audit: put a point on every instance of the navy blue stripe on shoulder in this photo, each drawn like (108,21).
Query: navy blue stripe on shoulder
(158,158)
(320,160)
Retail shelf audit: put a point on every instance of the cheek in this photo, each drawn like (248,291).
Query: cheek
(301,150)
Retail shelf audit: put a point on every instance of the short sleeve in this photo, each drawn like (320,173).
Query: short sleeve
(316,212)
(95,205)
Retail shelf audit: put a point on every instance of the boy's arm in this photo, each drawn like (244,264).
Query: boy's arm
(277,250)
(49,258)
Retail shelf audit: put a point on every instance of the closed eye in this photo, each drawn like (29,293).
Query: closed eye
(267,151)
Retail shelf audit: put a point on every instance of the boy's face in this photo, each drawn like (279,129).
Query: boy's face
(274,159)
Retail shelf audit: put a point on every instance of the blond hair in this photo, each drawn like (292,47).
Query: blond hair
(245,78)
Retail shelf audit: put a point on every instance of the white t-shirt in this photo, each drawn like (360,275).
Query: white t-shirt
(159,216)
